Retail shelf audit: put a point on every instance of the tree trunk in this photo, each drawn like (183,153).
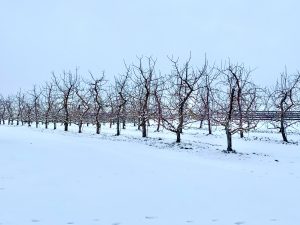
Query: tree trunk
(229,140)
(241,134)
(98,125)
(144,127)
(80,127)
(209,126)
(201,124)
(118,126)
(180,126)
(158,124)
(66,124)
(178,140)
(139,124)
(124,124)
(282,129)
(227,125)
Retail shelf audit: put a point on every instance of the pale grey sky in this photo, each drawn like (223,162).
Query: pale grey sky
(37,37)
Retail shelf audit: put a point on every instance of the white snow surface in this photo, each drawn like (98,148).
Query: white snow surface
(54,177)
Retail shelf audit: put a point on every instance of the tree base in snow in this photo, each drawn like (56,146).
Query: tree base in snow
(231,151)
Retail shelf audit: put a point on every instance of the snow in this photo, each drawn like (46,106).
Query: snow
(54,177)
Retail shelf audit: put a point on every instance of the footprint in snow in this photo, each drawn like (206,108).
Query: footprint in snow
(239,222)
(189,221)
(214,220)
(35,221)
(70,222)
(116,223)
(273,220)
(150,217)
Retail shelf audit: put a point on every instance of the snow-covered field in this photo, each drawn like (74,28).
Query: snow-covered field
(52,177)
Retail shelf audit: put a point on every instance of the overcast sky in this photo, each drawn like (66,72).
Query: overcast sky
(37,37)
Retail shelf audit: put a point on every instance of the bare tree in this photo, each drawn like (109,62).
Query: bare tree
(236,99)
(2,109)
(143,82)
(20,101)
(97,92)
(66,85)
(285,98)
(82,105)
(158,92)
(9,106)
(110,100)
(28,112)
(241,79)
(205,98)
(48,103)
(183,82)
(55,112)
(121,96)
(35,96)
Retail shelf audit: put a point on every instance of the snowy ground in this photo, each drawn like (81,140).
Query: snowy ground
(52,177)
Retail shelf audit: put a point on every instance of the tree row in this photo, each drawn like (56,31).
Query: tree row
(207,94)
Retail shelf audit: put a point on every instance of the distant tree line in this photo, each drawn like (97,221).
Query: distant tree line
(212,95)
